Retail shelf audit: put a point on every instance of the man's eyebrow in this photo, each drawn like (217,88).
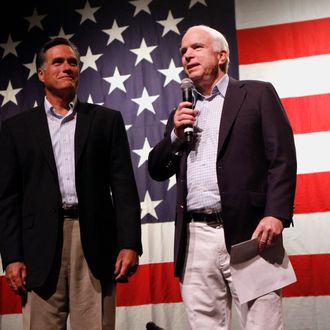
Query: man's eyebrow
(194,45)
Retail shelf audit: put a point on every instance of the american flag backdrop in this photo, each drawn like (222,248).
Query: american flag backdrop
(131,62)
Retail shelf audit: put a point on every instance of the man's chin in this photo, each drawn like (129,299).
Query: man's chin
(69,87)
(67,91)
(193,77)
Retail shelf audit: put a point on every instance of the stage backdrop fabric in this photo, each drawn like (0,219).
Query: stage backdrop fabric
(131,62)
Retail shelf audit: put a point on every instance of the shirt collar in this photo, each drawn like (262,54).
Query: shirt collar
(51,112)
(220,88)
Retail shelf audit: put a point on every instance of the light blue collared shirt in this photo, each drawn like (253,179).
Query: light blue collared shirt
(62,131)
(202,182)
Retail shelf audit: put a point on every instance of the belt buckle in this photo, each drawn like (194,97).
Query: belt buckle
(68,206)
(217,221)
(70,211)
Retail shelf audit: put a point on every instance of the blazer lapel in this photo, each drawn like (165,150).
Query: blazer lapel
(40,127)
(84,119)
(232,104)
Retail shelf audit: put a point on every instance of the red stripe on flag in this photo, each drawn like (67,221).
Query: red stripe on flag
(283,41)
(308,113)
(152,284)
(313,273)
(312,193)
(9,302)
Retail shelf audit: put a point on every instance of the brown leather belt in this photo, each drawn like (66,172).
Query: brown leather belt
(70,211)
(209,218)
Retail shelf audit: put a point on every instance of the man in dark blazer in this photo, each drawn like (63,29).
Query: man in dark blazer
(235,181)
(69,207)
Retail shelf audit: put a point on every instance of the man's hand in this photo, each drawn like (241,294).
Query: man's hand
(126,264)
(183,116)
(15,274)
(267,231)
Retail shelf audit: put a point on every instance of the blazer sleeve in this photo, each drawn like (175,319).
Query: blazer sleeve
(124,190)
(280,154)
(164,158)
(10,200)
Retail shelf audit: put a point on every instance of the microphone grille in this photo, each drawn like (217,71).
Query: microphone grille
(186,83)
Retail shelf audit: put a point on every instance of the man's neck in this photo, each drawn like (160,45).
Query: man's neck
(206,87)
(61,104)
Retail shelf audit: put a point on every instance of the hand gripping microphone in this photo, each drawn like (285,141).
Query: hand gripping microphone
(187,95)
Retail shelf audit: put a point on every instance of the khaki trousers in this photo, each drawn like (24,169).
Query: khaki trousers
(78,294)
(208,291)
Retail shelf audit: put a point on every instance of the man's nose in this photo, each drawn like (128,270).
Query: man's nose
(67,66)
(188,54)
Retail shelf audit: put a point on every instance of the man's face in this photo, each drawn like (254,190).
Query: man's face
(200,61)
(60,73)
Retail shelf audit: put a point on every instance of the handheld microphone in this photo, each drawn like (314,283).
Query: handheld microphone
(153,326)
(187,95)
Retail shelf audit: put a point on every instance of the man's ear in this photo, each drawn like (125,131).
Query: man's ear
(222,57)
(40,74)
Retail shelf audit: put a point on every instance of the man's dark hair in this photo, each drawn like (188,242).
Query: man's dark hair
(40,59)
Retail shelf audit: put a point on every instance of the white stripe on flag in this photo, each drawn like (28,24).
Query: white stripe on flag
(157,242)
(11,322)
(1,270)
(310,234)
(153,234)
(299,313)
(255,13)
(313,152)
(167,316)
(290,77)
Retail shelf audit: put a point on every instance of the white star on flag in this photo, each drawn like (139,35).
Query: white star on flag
(9,46)
(32,67)
(170,24)
(89,60)
(172,73)
(90,100)
(117,81)
(35,20)
(141,5)
(148,206)
(143,53)
(9,94)
(145,101)
(144,152)
(194,2)
(62,34)
(87,13)
(115,33)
